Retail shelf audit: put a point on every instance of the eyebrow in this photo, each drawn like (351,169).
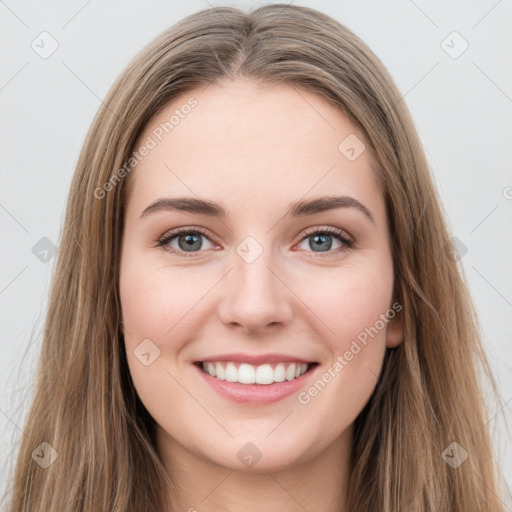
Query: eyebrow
(295,209)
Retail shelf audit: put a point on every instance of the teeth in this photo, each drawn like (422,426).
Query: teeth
(231,372)
(290,372)
(279,373)
(248,374)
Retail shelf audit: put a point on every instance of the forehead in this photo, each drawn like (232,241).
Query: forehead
(254,142)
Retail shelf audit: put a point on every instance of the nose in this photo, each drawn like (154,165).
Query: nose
(255,296)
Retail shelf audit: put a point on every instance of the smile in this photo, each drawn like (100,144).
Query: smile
(264,374)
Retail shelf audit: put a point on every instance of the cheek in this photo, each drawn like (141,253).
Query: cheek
(154,300)
(355,306)
(350,300)
(157,305)
(161,305)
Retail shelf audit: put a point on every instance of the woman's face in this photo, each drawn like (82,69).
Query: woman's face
(263,278)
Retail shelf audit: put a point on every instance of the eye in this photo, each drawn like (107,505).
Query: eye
(322,239)
(184,240)
(187,241)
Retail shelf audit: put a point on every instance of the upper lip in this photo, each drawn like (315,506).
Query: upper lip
(254,359)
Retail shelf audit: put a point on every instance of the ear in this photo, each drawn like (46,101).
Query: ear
(395,331)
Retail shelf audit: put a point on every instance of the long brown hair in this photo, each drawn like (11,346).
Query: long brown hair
(429,393)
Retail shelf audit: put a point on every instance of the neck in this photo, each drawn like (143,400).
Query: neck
(320,483)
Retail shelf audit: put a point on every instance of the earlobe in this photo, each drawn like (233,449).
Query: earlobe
(395,332)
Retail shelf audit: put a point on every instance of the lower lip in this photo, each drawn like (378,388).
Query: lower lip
(256,393)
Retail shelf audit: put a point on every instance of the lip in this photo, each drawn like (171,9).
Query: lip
(255,360)
(256,394)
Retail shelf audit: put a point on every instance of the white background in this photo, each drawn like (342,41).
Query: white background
(462,108)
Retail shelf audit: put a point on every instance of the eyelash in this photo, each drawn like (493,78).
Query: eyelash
(343,237)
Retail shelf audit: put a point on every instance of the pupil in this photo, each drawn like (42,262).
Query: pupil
(192,241)
(322,240)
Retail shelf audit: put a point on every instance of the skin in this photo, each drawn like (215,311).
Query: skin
(255,149)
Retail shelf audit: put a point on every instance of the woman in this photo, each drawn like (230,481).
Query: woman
(256,304)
